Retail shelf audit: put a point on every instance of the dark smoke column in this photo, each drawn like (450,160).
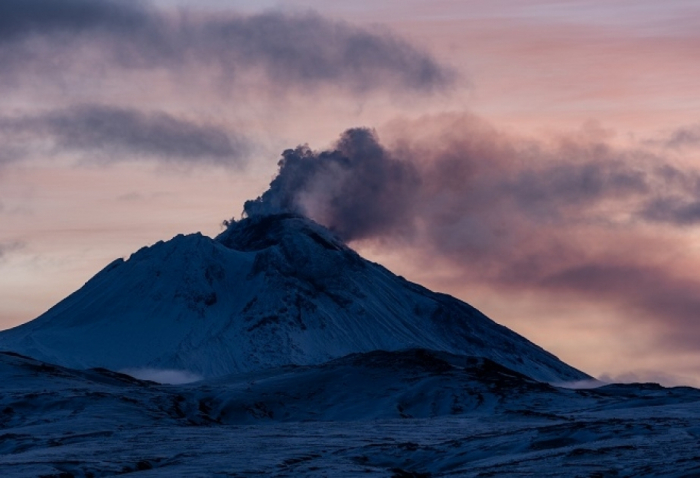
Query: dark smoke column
(358,189)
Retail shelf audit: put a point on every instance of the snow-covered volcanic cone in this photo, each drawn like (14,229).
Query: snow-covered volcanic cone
(271,290)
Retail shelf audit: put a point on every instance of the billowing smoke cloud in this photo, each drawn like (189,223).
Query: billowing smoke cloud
(572,217)
(109,134)
(289,50)
(359,190)
(362,189)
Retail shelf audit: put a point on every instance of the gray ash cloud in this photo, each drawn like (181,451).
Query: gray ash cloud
(576,217)
(358,189)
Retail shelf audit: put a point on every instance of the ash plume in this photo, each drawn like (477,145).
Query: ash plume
(567,217)
(358,189)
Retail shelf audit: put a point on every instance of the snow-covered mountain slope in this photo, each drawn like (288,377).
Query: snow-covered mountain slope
(269,291)
(393,414)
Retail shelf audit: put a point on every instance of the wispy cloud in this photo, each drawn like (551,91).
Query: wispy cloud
(289,50)
(108,134)
(21,19)
(9,247)
(683,137)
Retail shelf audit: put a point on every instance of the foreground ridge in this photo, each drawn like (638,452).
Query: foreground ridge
(390,414)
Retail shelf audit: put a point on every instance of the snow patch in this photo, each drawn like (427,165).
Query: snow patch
(165,376)
(580,384)
(663,378)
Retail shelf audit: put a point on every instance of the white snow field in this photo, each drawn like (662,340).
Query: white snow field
(306,360)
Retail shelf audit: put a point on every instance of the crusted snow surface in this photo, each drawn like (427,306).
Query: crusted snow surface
(269,291)
(413,413)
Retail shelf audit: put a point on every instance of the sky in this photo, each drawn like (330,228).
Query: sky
(538,159)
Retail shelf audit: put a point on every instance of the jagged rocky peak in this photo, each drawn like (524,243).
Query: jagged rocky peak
(259,232)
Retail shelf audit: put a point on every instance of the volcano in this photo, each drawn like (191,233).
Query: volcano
(270,291)
(308,361)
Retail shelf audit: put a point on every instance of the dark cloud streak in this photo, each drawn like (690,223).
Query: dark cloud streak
(677,210)
(108,134)
(291,50)
(20,19)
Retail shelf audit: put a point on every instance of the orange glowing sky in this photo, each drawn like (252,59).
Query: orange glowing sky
(547,73)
